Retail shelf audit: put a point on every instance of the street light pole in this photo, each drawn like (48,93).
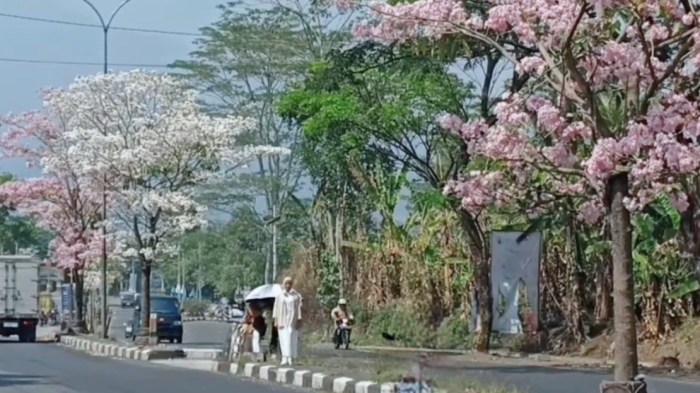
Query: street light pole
(105,31)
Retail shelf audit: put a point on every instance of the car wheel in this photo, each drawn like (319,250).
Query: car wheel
(178,340)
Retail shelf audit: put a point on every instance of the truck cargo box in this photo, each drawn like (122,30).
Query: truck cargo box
(19,295)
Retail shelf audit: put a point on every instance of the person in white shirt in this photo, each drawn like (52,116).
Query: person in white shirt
(286,314)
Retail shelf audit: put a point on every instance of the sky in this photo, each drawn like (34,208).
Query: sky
(23,41)
(20,83)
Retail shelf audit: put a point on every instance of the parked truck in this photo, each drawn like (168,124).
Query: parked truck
(19,294)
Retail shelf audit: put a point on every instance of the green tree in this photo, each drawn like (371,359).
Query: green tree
(243,64)
(370,111)
(19,233)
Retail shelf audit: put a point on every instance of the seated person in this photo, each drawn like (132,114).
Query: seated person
(257,326)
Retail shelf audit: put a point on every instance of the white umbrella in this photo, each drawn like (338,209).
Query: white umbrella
(269,291)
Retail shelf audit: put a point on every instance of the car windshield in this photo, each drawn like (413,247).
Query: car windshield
(165,305)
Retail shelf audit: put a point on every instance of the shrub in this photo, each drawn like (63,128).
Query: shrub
(408,328)
(453,333)
(195,308)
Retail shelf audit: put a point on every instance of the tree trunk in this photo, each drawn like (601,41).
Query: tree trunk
(603,300)
(79,300)
(146,294)
(482,280)
(485,301)
(626,366)
(690,226)
(338,253)
(575,297)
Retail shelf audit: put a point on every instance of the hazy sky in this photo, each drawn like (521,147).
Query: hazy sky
(32,40)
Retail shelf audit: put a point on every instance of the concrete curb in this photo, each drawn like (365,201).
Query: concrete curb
(270,373)
(120,351)
(292,377)
(304,378)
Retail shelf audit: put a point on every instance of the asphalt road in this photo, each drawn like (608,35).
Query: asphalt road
(526,378)
(50,368)
(196,334)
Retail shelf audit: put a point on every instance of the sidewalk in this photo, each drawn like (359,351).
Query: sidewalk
(47,333)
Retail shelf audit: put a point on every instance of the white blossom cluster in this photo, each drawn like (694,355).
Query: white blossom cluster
(143,138)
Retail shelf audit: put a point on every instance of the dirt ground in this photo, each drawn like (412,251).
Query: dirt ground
(683,345)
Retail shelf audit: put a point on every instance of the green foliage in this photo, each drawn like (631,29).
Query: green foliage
(329,291)
(18,232)
(453,333)
(195,308)
(374,99)
(410,329)
(226,257)
(654,229)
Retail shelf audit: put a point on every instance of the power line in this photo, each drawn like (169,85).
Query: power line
(59,62)
(79,24)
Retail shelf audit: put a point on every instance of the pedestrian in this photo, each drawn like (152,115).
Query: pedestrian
(259,326)
(286,314)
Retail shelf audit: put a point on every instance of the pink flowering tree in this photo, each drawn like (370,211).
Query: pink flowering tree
(143,138)
(609,114)
(59,201)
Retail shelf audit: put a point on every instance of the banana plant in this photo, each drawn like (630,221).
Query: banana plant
(655,249)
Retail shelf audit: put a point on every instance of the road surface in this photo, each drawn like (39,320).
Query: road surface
(196,334)
(524,377)
(50,368)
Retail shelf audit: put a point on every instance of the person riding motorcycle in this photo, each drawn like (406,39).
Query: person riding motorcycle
(340,313)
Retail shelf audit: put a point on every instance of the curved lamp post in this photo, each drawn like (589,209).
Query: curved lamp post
(105,30)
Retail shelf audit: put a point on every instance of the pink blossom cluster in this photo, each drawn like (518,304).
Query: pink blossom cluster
(650,57)
(407,22)
(57,201)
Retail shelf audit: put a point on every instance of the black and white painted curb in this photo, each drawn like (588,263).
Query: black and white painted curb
(281,375)
(288,376)
(121,351)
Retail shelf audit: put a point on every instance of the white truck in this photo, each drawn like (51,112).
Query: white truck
(19,294)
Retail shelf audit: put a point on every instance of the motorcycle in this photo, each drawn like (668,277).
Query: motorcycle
(342,336)
(223,313)
(53,318)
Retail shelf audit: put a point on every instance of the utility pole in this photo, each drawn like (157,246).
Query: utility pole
(178,286)
(105,31)
(199,272)
(274,243)
(272,222)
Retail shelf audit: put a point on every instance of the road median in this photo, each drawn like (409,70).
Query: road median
(296,377)
(91,345)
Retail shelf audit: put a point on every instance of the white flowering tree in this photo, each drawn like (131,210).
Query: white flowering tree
(143,139)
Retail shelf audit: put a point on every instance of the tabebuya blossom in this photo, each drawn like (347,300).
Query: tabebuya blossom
(60,201)
(610,90)
(144,137)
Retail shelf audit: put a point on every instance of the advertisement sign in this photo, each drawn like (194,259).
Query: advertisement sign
(66,298)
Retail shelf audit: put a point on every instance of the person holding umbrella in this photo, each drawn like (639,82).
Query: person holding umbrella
(286,315)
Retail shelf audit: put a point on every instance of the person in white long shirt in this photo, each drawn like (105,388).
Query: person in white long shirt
(286,314)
